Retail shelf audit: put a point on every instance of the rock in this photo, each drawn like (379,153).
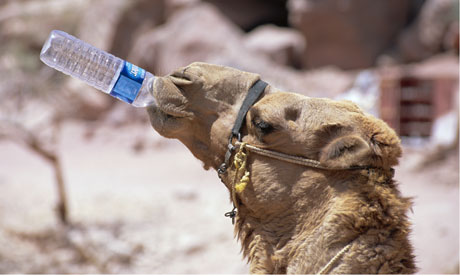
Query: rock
(97,32)
(184,39)
(137,18)
(30,22)
(251,14)
(215,39)
(123,22)
(435,25)
(173,6)
(284,46)
(339,32)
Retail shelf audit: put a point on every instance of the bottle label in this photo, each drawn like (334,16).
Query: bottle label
(129,83)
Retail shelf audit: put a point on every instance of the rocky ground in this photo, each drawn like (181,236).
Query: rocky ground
(140,203)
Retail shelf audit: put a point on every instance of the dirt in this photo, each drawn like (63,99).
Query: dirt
(140,203)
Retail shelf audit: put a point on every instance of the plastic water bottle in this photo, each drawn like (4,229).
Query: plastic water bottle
(99,69)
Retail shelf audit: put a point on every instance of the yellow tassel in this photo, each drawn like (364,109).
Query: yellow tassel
(240,186)
(239,160)
(240,165)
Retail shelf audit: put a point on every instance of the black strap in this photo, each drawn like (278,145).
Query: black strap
(253,94)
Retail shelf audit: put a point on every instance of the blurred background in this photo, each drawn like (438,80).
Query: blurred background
(87,186)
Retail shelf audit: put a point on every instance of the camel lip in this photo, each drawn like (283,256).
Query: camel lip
(163,103)
(168,112)
(163,112)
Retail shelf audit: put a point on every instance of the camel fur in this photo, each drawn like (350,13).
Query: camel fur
(295,219)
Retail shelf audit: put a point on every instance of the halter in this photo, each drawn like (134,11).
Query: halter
(253,95)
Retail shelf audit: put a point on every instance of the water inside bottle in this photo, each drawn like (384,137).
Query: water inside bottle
(78,59)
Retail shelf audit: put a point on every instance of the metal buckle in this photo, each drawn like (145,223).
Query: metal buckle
(231,214)
(230,148)
(222,168)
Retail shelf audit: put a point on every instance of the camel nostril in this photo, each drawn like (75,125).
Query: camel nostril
(180,80)
(181,74)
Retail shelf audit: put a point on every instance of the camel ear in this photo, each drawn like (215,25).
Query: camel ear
(345,151)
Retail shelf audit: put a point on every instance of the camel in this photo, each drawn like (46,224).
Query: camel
(344,216)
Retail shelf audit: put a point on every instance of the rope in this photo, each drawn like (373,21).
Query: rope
(329,265)
(294,159)
(285,157)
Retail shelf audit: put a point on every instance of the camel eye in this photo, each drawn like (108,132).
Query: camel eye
(262,126)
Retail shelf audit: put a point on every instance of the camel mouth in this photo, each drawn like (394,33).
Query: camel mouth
(162,113)
(169,99)
(161,116)
(169,112)
(165,124)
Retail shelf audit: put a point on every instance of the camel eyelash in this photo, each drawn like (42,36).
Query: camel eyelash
(263,127)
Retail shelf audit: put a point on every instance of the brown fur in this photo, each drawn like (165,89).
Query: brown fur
(294,219)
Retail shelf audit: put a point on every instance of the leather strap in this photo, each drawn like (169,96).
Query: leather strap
(254,93)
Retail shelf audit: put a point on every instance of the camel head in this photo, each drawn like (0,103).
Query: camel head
(284,204)
(198,105)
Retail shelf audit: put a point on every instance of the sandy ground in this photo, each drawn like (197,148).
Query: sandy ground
(156,210)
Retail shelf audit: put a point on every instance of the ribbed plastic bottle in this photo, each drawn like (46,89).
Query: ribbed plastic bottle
(99,69)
